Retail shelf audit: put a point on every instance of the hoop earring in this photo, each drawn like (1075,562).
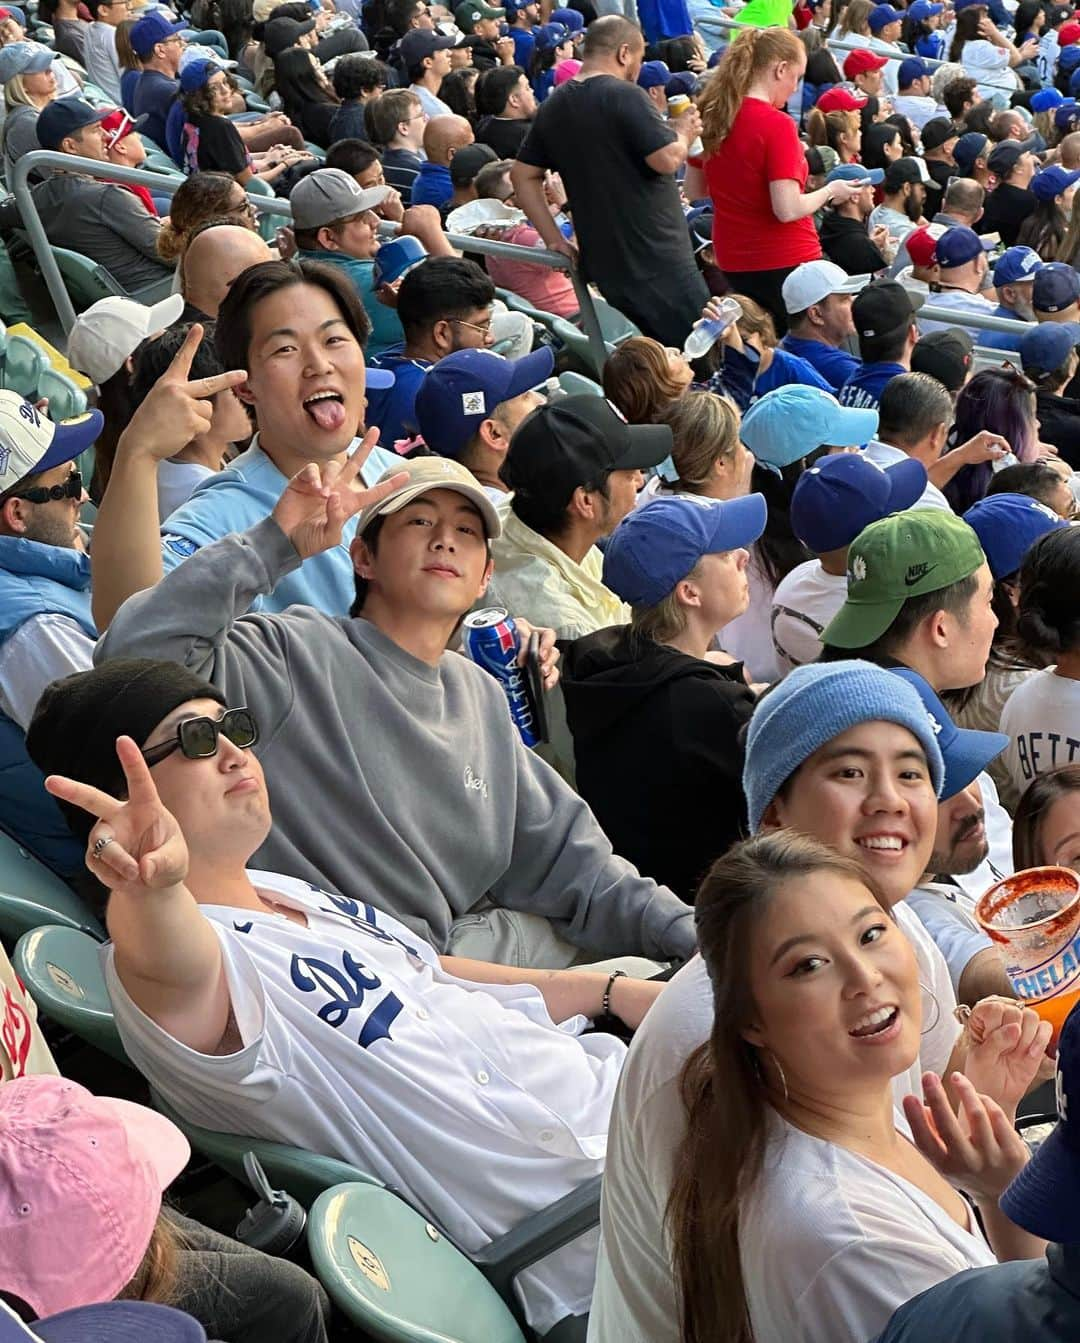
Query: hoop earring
(937,1009)
(779,1069)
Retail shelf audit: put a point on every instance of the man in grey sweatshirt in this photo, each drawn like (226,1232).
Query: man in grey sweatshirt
(396,774)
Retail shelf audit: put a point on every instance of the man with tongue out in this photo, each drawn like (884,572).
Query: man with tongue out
(299,330)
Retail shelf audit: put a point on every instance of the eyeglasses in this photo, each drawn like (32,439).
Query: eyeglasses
(245,207)
(72,488)
(197,738)
(483,327)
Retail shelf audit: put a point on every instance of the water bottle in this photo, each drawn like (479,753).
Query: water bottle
(707,332)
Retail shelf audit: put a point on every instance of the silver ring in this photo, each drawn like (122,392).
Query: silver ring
(100,845)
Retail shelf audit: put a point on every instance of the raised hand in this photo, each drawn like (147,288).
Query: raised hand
(176,410)
(317,503)
(136,845)
(1007,1045)
(975,1147)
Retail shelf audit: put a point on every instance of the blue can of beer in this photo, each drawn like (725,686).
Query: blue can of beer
(490,638)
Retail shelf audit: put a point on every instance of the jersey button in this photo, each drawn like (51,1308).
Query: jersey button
(422,1013)
(546,1135)
(483,1078)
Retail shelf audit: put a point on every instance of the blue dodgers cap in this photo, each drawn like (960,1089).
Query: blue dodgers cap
(1052,181)
(1015,265)
(150,30)
(967,149)
(657,545)
(1046,99)
(882,15)
(839,495)
(550,36)
(814,704)
(24,58)
(1007,526)
(682,81)
(196,74)
(855,172)
(965,752)
(922,10)
(571,19)
(464,388)
(377,379)
(1042,1199)
(653,74)
(789,422)
(912,69)
(105,1322)
(396,258)
(1047,345)
(65,116)
(958,245)
(1066,114)
(1057,286)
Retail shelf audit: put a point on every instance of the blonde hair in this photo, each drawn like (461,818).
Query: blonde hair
(157,1275)
(748,56)
(856,19)
(704,428)
(755,321)
(664,621)
(826,128)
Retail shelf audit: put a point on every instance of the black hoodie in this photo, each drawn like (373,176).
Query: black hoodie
(657,751)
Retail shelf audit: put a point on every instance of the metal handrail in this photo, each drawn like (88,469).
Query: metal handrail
(954,317)
(168,185)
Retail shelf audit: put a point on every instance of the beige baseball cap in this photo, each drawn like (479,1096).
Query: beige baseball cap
(427,474)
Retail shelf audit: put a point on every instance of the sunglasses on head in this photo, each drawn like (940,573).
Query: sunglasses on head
(197,738)
(72,488)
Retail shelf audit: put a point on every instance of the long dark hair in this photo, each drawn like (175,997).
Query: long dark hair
(967,30)
(1044,229)
(998,399)
(722,1085)
(294,75)
(1049,616)
(778,550)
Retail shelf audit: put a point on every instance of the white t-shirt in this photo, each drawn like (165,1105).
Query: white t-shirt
(748,638)
(43,649)
(357,1045)
(803,604)
(960,301)
(634,1297)
(1042,719)
(176,483)
(885,454)
(832,1243)
(983,60)
(917,109)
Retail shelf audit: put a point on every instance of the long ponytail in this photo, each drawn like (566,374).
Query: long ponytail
(722,1085)
(751,52)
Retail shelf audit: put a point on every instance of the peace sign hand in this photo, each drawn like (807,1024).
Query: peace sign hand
(317,503)
(137,845)
(176,410)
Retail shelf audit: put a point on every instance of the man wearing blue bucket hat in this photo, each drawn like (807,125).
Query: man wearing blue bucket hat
(1030,1298)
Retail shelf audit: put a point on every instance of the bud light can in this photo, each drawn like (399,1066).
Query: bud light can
(490,638)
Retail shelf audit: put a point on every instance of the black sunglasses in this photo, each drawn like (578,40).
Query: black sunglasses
(72,488)
(197,738)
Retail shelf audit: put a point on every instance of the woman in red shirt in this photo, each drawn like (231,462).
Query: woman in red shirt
(755,168)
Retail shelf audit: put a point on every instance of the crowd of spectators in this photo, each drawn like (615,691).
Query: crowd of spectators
(791,573)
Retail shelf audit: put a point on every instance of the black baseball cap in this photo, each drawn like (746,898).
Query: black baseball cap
(945,355)
(1003,157)
(420,43)
(468,161)
(905,170)
(572,441)
(65,116)
(281,34)
(938,132)
(883,308)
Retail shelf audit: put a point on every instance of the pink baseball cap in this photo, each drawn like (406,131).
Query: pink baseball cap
(81,1180)
(566,70)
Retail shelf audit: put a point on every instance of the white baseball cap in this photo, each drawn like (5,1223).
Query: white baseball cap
(32,443)
(112,329)
(815,280)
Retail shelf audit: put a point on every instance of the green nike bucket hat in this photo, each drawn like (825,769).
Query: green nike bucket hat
(907,555)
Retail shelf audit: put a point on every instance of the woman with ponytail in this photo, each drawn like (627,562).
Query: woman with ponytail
(754,168)
(1042,716)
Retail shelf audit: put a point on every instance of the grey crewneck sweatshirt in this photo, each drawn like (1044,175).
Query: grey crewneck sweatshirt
(392,781)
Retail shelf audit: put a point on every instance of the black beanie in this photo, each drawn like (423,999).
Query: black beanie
(78,719)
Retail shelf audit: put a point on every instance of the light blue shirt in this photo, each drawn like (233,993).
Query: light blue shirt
(246,492)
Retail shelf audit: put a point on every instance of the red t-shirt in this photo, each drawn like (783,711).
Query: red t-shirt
(762,147)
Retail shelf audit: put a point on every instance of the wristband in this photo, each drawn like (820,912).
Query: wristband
(605,1002)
